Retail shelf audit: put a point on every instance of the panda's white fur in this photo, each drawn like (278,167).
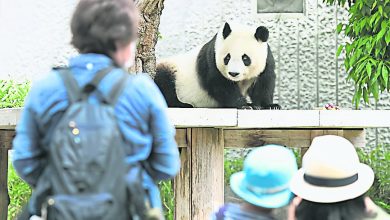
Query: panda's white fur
(184,68)
(188,88)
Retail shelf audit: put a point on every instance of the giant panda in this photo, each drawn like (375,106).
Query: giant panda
(235,69)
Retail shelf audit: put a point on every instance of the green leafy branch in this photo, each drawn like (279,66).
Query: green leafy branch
(368,53)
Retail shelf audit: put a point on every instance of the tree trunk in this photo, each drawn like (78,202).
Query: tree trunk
(150,12)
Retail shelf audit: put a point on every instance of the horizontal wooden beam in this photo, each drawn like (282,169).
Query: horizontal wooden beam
(202,117)
(247,119)
(9,117)
(277,118)
(295,138)
(238,138)
(355,118)
(254,138)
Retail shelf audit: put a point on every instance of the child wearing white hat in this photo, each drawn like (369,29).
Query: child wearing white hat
(332,182)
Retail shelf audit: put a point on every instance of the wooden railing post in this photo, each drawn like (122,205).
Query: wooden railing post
(207,145)
(5,144)
(182,182)
(3,182)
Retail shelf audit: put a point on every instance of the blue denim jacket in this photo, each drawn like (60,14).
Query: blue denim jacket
(142,117)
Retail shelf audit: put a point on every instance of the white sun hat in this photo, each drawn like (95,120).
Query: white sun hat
(331,172)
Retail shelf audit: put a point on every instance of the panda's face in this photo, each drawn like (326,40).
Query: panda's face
(241,52)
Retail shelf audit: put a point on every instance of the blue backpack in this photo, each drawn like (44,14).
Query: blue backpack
(86,176)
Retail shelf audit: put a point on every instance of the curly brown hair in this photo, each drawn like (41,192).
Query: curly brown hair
(101,26)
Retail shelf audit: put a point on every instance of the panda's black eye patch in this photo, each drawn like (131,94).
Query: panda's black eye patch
(226,59)
(247,61)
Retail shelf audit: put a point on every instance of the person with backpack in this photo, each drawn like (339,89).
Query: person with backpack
(93,140)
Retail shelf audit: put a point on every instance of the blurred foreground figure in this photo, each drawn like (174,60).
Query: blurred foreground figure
(92,140)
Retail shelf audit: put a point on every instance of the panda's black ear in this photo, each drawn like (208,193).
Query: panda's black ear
(262,34)
(226,30)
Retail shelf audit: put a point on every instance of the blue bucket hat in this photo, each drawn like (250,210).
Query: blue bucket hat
(266,176)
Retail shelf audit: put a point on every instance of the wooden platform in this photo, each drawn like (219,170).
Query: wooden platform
(202,135)
(244,119)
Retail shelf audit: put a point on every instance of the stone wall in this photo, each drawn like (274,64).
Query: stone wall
(35,35)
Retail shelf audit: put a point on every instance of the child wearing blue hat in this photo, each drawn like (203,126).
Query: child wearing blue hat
(263,184)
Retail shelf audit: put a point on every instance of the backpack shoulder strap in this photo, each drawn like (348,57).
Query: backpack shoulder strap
(93,84)
(71,85)
(117,88)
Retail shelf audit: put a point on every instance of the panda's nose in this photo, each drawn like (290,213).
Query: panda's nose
(234,74)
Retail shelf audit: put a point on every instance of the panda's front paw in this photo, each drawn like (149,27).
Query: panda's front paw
(246,107)
(256,107)
(272,107)
(268,107)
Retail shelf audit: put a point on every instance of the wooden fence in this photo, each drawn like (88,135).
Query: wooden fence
(202,135)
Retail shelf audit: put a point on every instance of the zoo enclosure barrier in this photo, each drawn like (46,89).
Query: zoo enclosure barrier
(202,134)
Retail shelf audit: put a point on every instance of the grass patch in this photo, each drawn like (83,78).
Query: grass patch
(12,94)
(231,166)
(168,198)
(19,192)
(379,160)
